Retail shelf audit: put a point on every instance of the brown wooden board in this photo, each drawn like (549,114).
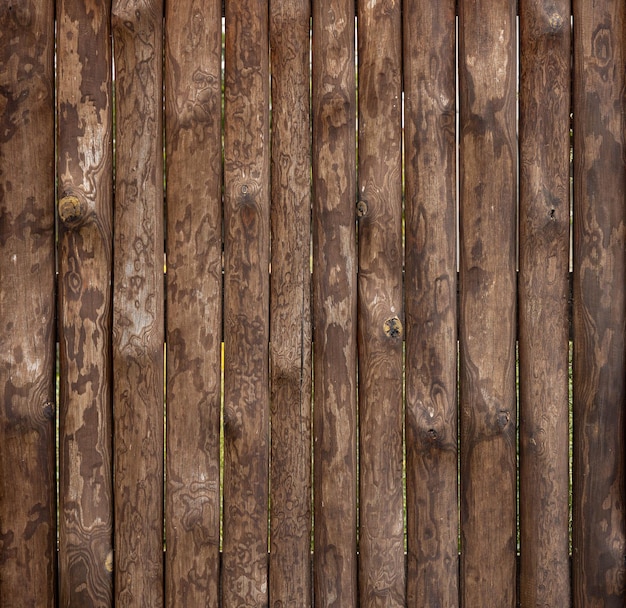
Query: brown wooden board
(431,306)
(246,304)
(543,292)
(85,257)
(380,309)
(290,339)
(599,524)
(194,300)
(334,303)
(487,78)
(27,305)
(138,334)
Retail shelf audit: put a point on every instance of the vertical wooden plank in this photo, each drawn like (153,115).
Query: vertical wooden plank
(380,309)
(543,292)
(85,178)
(334,303)
(138,334)
(290,339)
(246,304)
(431,307)
(599,526)
(487,317)
(194,300)
(27,309)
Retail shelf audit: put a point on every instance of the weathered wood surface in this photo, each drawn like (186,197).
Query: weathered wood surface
(334,303)
(431,306)
(27,306)
(290,321)
(246,304)
(487,77)
(543,292)
(85,252)
(138,334)
(194,300)
(599,526)
(380,307)
(111,303)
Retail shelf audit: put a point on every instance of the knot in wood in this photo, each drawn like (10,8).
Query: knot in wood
(555,21)
(504,418)
(70,209)
(108,562)
(393,328)
(361,208)
(49,410)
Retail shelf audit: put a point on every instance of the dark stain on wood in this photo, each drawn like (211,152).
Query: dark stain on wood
(27,301)
(487,329)
(431,306)
(290,338)
(85,263)
(380,306)
(543,290)
(599,530)
(334,302)
(194,301)
(138,332)
(246,304)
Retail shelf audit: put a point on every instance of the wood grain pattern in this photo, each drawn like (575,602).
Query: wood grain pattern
(85,256)
(334,303)
(487,309)
(543,292)
(599,523)
(138,334)
(431,307)
(290,315)
(246,304)
(27,307)
(380,309)
(194,301)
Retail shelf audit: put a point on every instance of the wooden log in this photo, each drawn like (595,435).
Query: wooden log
(194,300)
(599,522)
(431,304)
(138,334)
(543,292)
(27,306)
(290,339)
(246,304)
(487,77)
(334,303)
(380,309)
(85,258)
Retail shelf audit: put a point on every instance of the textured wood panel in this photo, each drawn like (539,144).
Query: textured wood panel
(290,339)
(111,303)
(334,302)
(246,304)
(194,300)
(599,526)
(431,304)
(138,334)
(380,309)
(85,258)
(543,292)
(487,77)
(27,307)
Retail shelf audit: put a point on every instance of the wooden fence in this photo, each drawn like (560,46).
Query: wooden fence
(294,257)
